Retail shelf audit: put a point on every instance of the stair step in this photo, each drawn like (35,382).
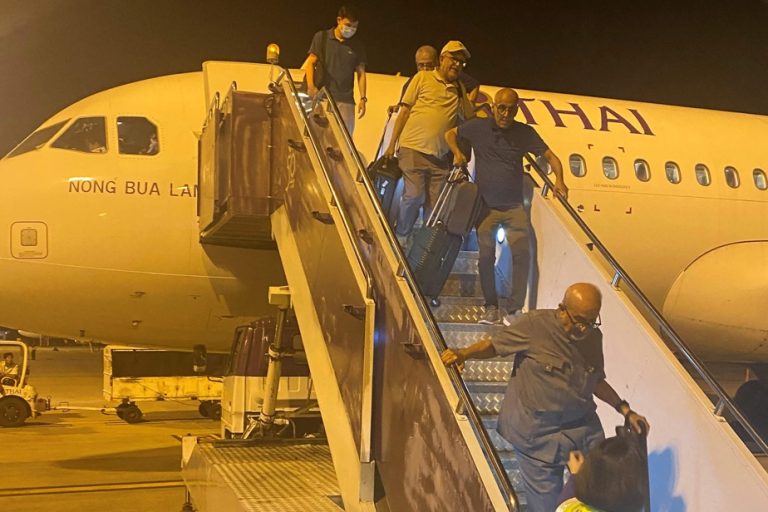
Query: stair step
(461,313)
(487,371)
(462,285)
(485,387)
(460,335)
(466,263)
(487,403)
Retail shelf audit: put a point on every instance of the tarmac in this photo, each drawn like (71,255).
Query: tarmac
(83,460)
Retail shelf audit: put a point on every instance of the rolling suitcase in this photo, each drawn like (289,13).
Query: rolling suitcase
(437,244)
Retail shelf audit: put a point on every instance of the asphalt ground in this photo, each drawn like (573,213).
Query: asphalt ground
(87,460)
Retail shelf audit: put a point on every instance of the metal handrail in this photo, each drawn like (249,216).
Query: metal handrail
(460,387)
(724,401)
(342,210)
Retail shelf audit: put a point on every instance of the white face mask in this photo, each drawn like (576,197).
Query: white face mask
(347,32)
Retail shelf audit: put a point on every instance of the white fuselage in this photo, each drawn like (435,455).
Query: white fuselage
(118,257)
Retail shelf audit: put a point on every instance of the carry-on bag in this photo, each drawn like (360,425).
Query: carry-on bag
(437,244)
(385,173)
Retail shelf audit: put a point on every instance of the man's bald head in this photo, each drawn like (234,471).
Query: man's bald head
(583,300)
(580,310)
(506,95)
(505,107)
(426,58)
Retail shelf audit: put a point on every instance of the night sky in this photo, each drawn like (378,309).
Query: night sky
(698,53)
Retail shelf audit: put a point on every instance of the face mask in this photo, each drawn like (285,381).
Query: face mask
(347,32)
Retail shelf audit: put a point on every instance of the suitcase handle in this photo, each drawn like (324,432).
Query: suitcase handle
(457,175)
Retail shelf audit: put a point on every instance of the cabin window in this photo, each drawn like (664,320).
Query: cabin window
(137,136)
(732,177)
(37,139)
(543,164)
(702,175)
(610,168)
(758,175)
(578,165)
(642,170)
(672,170)
(87,134)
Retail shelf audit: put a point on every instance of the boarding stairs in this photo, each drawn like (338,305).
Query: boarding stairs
(404,430)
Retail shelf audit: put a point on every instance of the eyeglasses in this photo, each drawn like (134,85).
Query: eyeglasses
(583,324)
(458,62)
(506,109)
(425,66)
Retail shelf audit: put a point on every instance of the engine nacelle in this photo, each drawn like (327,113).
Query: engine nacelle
(719,303)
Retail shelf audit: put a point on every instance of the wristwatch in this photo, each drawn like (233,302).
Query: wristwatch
(620,405)
(364,98)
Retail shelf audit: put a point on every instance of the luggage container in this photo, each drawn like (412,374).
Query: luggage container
(140,375)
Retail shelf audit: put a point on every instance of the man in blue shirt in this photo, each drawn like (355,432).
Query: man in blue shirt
(341,56)
(499,144)
(549,409)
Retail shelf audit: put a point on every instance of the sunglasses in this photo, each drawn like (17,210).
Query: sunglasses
(581,323)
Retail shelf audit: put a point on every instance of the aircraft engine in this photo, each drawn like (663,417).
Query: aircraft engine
(719,303)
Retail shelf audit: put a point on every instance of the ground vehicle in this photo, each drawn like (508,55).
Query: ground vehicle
(19,400)
(140,374)
(244,383)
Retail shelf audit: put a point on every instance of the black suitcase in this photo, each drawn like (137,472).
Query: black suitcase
(437,244)
(384,174)
(461,208)
(432,255)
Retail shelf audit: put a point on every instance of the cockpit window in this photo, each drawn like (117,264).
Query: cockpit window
(87,134)
(37,139)
(137,136)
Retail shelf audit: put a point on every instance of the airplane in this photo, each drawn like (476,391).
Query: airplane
(100,207)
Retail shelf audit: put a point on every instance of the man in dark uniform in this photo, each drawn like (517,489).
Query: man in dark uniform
(341,56)
(548,408)
(500,143)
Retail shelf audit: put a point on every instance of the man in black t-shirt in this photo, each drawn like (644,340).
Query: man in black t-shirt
(341,55)
(500,143)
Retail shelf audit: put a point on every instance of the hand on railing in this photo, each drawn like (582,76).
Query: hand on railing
(561,189)
(452,357)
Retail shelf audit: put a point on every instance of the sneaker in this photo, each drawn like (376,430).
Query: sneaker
(491,316)
(508,319)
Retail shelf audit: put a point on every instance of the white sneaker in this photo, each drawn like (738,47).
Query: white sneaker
(491,316)
(508,319)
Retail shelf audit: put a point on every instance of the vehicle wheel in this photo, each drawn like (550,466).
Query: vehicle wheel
(205,409)
(132,414)
(120,409)
(215,413)
(13,411)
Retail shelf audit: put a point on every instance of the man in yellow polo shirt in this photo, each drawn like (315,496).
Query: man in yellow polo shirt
(433,103)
